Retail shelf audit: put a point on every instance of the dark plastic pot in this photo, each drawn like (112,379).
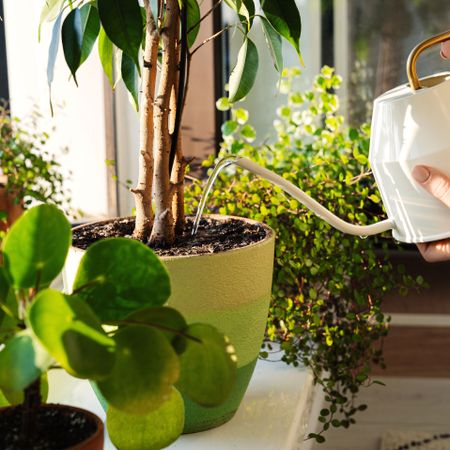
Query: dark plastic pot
(93,442)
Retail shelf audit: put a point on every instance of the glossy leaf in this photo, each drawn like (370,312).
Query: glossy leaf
(245,10)
(208,368)
(53,49)
(120,276)
(106,54)
(274,43)
(243,76)
(17,397)
(145,370)
(36,246)
(22,361)
(164,319)
(50,12)
(122,21)
(152,431)
(130,78)
(284,17)
(72,334)
(79,32)
(193,21)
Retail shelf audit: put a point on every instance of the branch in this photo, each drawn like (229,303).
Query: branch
(214,36)
(205,16)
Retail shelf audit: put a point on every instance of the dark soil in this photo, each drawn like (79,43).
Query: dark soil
(213,236)
(56,429)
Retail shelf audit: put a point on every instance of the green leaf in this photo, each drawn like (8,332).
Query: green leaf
(72,334)
(17,397)
(208,368)
(120,276)
(193,21)
(229,127)
(223,104)
(145,370)
(79,32)
(22,360)
(167,320)
(106,54)
(284,17)
(36,246)
(248,133)
(243,75)
(53,49)
(130,78)
(50,11)
(274,43)
(122,21)
(152,431)
(245,10)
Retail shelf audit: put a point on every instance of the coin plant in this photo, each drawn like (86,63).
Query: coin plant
(113,329)
(328,288)
(156,42)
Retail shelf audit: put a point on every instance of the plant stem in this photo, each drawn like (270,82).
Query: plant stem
(32,401)
(163,229)
(143,191)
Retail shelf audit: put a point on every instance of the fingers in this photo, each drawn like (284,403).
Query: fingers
(435,251)
(435,182)
(445,49)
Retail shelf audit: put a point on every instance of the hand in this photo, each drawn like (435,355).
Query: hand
(438,185)
(445,49)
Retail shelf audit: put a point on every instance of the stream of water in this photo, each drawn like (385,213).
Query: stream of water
(294,191)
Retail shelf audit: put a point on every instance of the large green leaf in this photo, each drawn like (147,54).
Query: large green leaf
(167,320)
(274,43)
(72,334)
(36,247)
(130,77)
(122,21)
(145,370)
(152,431)
(243,76)
(79,32)
(22,361)
(106,54)
(193,21)
(208,367)
(284,17)
(120,276)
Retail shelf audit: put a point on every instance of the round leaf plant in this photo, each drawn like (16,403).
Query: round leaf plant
(139,365)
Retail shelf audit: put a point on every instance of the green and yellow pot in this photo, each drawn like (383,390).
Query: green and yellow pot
(230,290)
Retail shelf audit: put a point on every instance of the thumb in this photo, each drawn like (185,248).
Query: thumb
(435,182)
(445,49)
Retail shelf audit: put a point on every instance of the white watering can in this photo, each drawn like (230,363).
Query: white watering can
(410,126)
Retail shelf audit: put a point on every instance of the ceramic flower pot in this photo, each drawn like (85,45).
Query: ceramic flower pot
(92,442)
(230,290)
(8,207)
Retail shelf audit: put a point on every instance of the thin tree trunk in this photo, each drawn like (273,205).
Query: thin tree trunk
(178,170)
(163,227)
(143,191)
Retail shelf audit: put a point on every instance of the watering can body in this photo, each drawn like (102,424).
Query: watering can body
(411,126)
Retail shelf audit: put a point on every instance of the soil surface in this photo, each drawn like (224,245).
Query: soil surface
(56,429)
(213,235)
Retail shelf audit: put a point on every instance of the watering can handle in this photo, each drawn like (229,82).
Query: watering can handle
(411,69)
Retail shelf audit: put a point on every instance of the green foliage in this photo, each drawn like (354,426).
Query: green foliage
(33,174)
(328,287)
(112,329)
(119,25)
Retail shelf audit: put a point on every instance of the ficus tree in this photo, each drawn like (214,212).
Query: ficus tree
(152,43)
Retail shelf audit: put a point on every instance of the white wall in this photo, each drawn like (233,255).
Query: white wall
(80,123)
